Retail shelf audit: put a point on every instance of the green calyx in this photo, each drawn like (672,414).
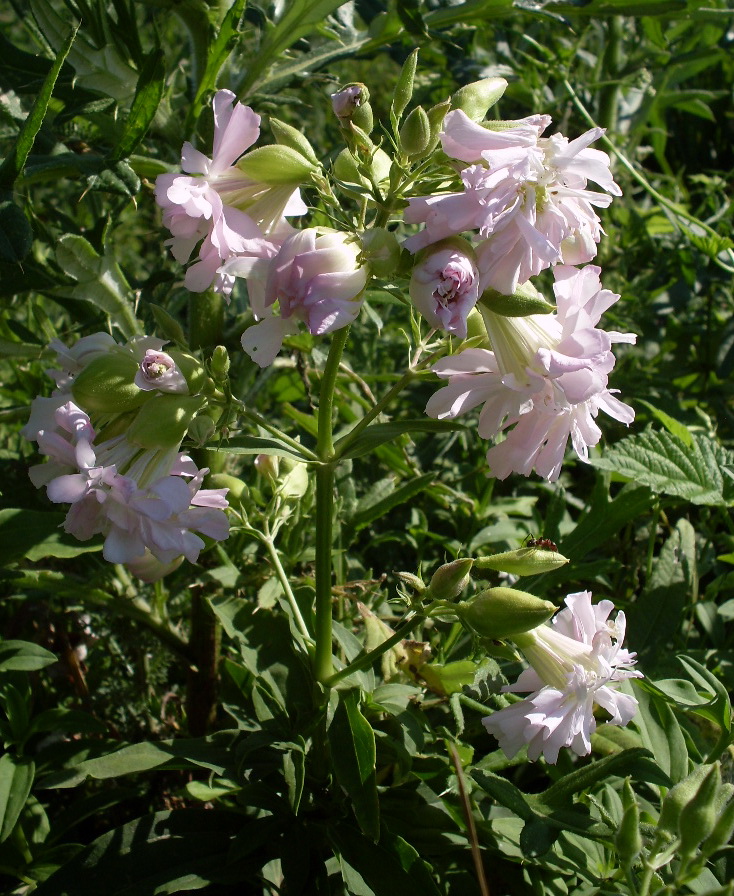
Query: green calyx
(504,612)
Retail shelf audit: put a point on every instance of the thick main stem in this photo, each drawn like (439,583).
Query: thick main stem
(323,667)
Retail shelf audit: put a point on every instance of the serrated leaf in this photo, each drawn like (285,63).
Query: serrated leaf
(352,744)
(665,464)
(99,280)
(15,160)
(148,95)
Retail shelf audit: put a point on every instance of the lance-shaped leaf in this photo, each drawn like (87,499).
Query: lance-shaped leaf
(352,745)
(16,778)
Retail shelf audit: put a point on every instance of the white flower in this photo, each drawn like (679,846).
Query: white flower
(444,285)
(576,662)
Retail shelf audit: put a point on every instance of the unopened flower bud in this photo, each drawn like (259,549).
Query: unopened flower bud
(449,580)
(698,817)
(346,101)
(267,465)
(526,300)
(219,364)
(150,569)
(523,562)
(404,87)
(276,165)
(162,422)
(415,582)
(415,134)
(677,797)
(107,385)
(477,98)
(201,429)
(444,285)
(381,251)
(722,832)
(286,135)
(346,169)
(436,115)
(237,488)
(504,612)
(192,369)
(628,840)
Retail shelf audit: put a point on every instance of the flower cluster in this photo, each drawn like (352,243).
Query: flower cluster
(313,276)
(526,195)
(546,379)
(146,501)
(576,663)
(215,204)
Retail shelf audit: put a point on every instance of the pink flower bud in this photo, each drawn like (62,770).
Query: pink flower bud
(445,285)
(345,101)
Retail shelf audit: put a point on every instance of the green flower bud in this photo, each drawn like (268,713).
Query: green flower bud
(162,422)
(191,368)
(524,301)
(698,817)
(346,169)
(275,165)
(523,562)
(201,429)
(237,488)
(449,580)
(414,582)
(381,251)
(722,832)
(219,364)
(436,115)
(404,88)
(106,386)
(628,840)
(285,135)
(295,483)
(503,612)
(477,98)
(415,134)
(363,118)
(677,797)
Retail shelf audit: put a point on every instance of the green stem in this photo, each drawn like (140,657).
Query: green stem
(325,508)
(206,319)
(367,659)
(286,585)
(642,181)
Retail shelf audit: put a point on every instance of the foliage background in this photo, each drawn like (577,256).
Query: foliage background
(647,524)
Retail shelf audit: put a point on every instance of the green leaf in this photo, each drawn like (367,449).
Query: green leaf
(655,616)
(661,734)
(168,325)
(352,745)
(16,779)
(260,445)
(299,18)
(35,534)
(675,427)
(390,866)
(373,506)
(160,855)
(663,462)
(378,433)
(15,160)
(99,280)
(719,708)
(23,656)
(148,95)
(16,235)
(216,55)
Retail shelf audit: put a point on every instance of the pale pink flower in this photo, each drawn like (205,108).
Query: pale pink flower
(546,378)
(215,202)
(146,503)
(158,371)
(444,285)
(316,278)
(576,663)
(525,194)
